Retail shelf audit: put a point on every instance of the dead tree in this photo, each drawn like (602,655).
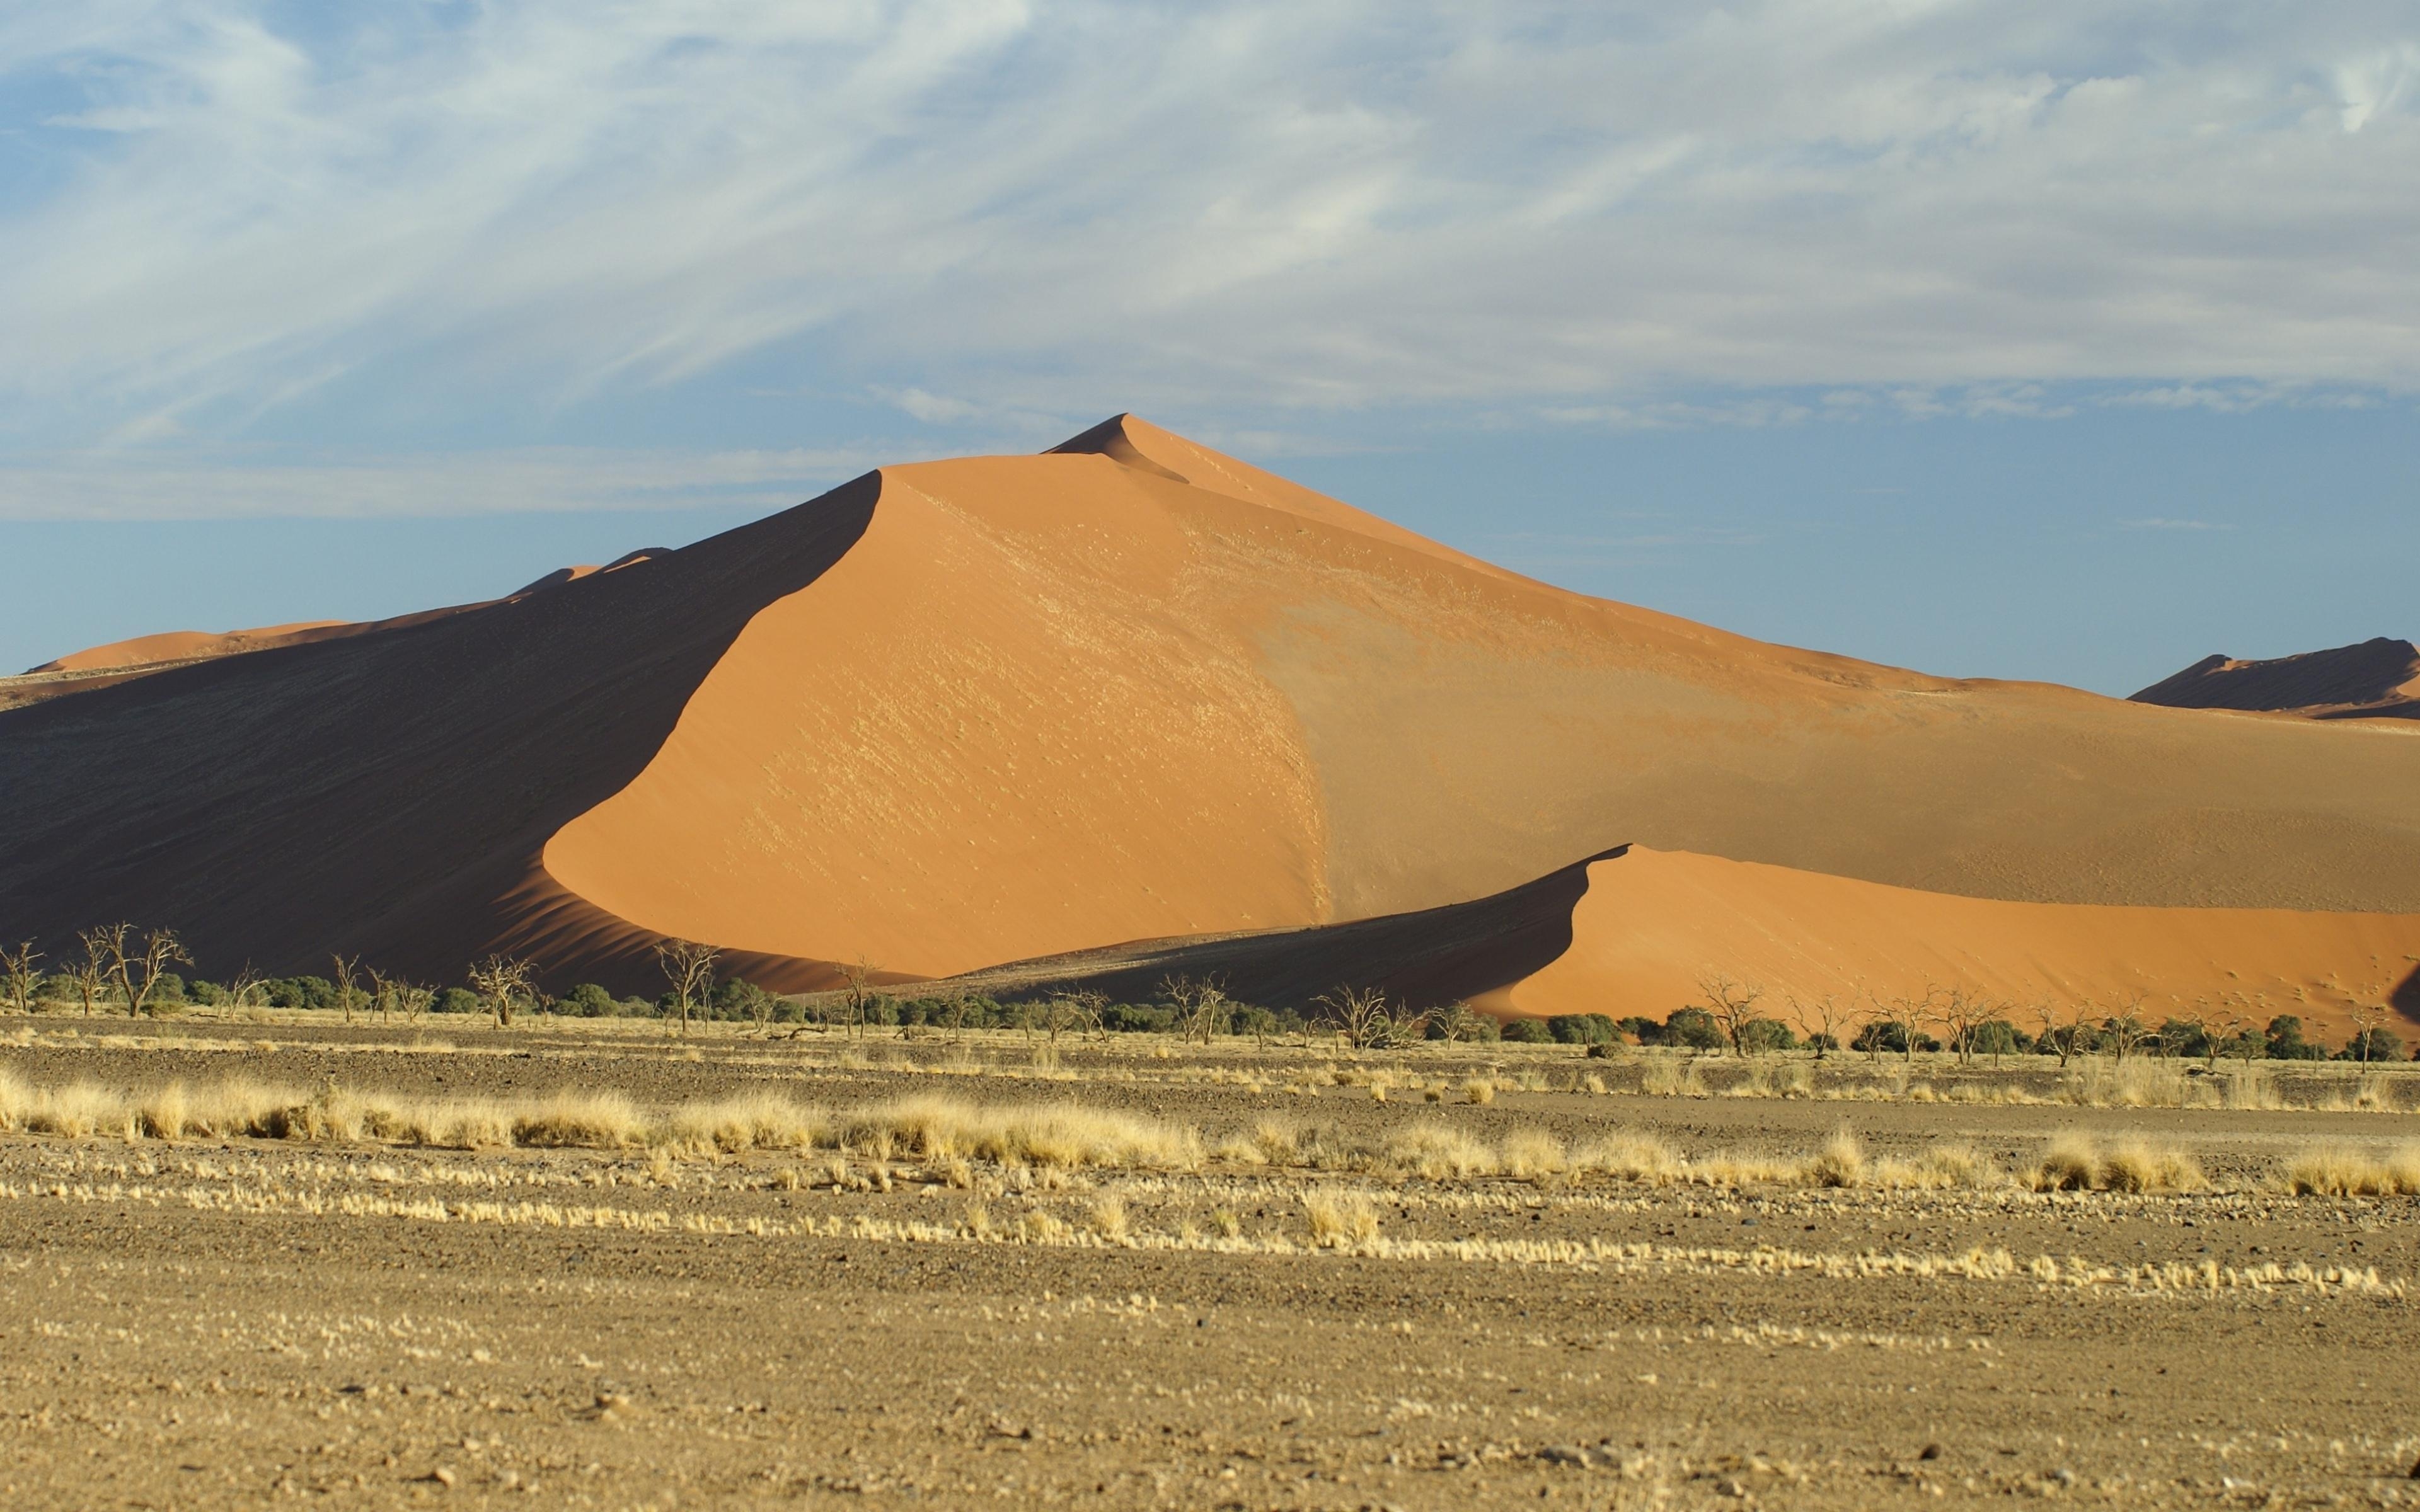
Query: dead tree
(1959,1014)
(2366,1020)
(2062,1037)
(244,991)
(689,967)
(1200,1006)
(17,966)
(91,974)
(382,988)
(1366,1021)
(857,995)
(1456,1022)
(1819,1021)
(2126,1030)
(501,981)
(342,969)
(137,969)
(1732,1007)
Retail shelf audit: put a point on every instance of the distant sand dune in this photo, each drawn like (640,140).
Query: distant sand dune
(2378,679)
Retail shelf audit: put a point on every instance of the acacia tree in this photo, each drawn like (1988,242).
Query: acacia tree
(1819,1021)
(2126,1030)
(1732,1007)
(342,969)
(17,966)
(1456,1022)
(1200,1005)
(2366,1020)
(382,989)
(689,967)
(501,981)
(1959,1012)
(1367,1021)
(137,969)
(2062,1035)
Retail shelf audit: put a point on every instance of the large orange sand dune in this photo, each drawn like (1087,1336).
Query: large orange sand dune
(970,712)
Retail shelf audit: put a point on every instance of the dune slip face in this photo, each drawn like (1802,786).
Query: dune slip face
(960,714)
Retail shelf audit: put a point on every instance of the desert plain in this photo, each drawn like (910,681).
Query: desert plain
(271,1260)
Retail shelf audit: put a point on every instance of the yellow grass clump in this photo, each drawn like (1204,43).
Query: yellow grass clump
(2074,1162)
(1340,1220)
(2337,1170)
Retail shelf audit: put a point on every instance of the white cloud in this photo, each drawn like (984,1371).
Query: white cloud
(986,207)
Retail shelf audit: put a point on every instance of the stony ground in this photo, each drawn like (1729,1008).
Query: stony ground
(223,1323)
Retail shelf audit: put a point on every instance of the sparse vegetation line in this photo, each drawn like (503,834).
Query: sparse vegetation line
(1066,1134)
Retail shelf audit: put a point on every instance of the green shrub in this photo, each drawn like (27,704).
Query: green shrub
(587,1001)
(1527,1031)
(1581,1029)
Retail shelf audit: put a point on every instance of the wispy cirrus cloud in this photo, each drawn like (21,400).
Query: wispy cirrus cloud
(403,222)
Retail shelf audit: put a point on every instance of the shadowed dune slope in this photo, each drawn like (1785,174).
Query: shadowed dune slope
(1471,952)
(2379,678)
(979,711)
(1652,923)
(389,794)
(1634,932)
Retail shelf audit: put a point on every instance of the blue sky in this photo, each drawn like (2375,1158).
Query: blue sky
(2015,340)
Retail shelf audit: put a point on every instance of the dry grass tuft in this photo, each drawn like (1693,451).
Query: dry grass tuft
(2336,1170)
(1841,1162)
(2074,1163)
(1479,1092)
(1340,1220)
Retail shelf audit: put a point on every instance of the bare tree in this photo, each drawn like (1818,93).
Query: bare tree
(2366,1020)
(2125,1029)
(1959,1012)
(91,974)
(343,970)
(689,967)
(1819,1021)
(383,995)
(1732,1007)
(1084,1011)
(502,981)
(1367,1021)
(756,1004)
(412,1000)
(2062,1035)
(244,991)
(17,966)
(1200,1005)
(1456,1022)
(137,969)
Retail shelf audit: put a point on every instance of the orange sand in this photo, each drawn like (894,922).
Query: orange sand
(1651,923)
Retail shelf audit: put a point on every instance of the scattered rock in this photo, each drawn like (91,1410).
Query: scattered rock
(442,1475)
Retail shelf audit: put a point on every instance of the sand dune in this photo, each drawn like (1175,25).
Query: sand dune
(2379,678)
(182,645)
(963,713)
(1652,922)
(1634,932)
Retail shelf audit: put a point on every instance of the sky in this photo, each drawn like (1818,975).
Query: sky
(2071,343)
